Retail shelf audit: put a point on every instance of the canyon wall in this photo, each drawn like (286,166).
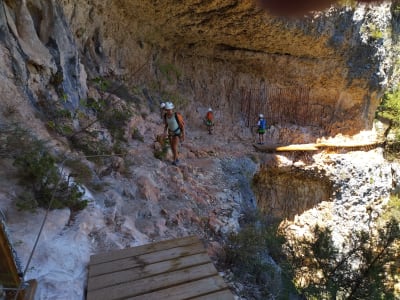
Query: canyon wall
(325,72)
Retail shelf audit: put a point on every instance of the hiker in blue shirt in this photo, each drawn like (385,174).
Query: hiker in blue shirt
(261,127)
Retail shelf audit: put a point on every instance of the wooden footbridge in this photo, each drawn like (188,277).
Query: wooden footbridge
(344,147)
(169,270)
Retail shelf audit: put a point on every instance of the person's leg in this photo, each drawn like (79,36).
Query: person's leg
(174,147)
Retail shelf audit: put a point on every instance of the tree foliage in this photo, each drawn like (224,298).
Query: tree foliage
(390,107)
(255,257)
(365,269)
(44,183)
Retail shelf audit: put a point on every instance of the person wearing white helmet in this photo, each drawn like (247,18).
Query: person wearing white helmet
(174,124)
(162,110)
(261,127)
(209,120)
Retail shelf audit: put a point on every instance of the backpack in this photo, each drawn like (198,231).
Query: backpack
(210,116)
(263,124)
(180,121)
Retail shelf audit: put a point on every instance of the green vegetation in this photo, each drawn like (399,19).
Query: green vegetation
(390,110)
(161,153)
(253,255)
(81,172)
(375,33)
(364,271)
(102,83)
(113,116)
(136,135)
(109,112)
(390,107)
(37,171)
(349,3)
(169,71)
(396,9)
(365,266)
(393,209)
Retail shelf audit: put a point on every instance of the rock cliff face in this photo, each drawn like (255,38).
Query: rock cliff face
(326,71)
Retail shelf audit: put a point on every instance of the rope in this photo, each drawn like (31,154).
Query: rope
(40,232)
(23,283)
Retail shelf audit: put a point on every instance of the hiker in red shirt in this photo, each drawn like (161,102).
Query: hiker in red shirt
(209,121)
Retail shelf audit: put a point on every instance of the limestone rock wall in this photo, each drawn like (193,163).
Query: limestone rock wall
(288,191)
(41,50)
(345,191)
(325,73)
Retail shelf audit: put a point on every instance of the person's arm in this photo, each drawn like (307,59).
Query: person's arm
(183,134)
(165,124)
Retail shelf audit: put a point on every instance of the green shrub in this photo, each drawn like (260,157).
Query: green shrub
(102,83)
(136,135)
(169,71)
(165,146)
(253,254)
(393,209)
(115,119)
(325,272)
(375,33)
(82,173)
(37,171)
(390,107)
(90,145)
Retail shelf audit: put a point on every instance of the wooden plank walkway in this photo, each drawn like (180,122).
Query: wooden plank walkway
(317,147)
(169,270)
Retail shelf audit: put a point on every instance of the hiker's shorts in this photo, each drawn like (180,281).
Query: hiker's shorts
(173,133)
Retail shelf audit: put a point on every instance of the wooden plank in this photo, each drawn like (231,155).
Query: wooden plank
(30,290)
(283,148)
(145,285)
(141,260)
(297,147)
(220,295)
(110,279)
(210,286)
(8,270)
(152,247)
(349,145)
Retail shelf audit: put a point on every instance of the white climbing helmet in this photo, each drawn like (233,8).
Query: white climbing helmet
(169,105)
(261,116)
(162,105)
(210,109)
